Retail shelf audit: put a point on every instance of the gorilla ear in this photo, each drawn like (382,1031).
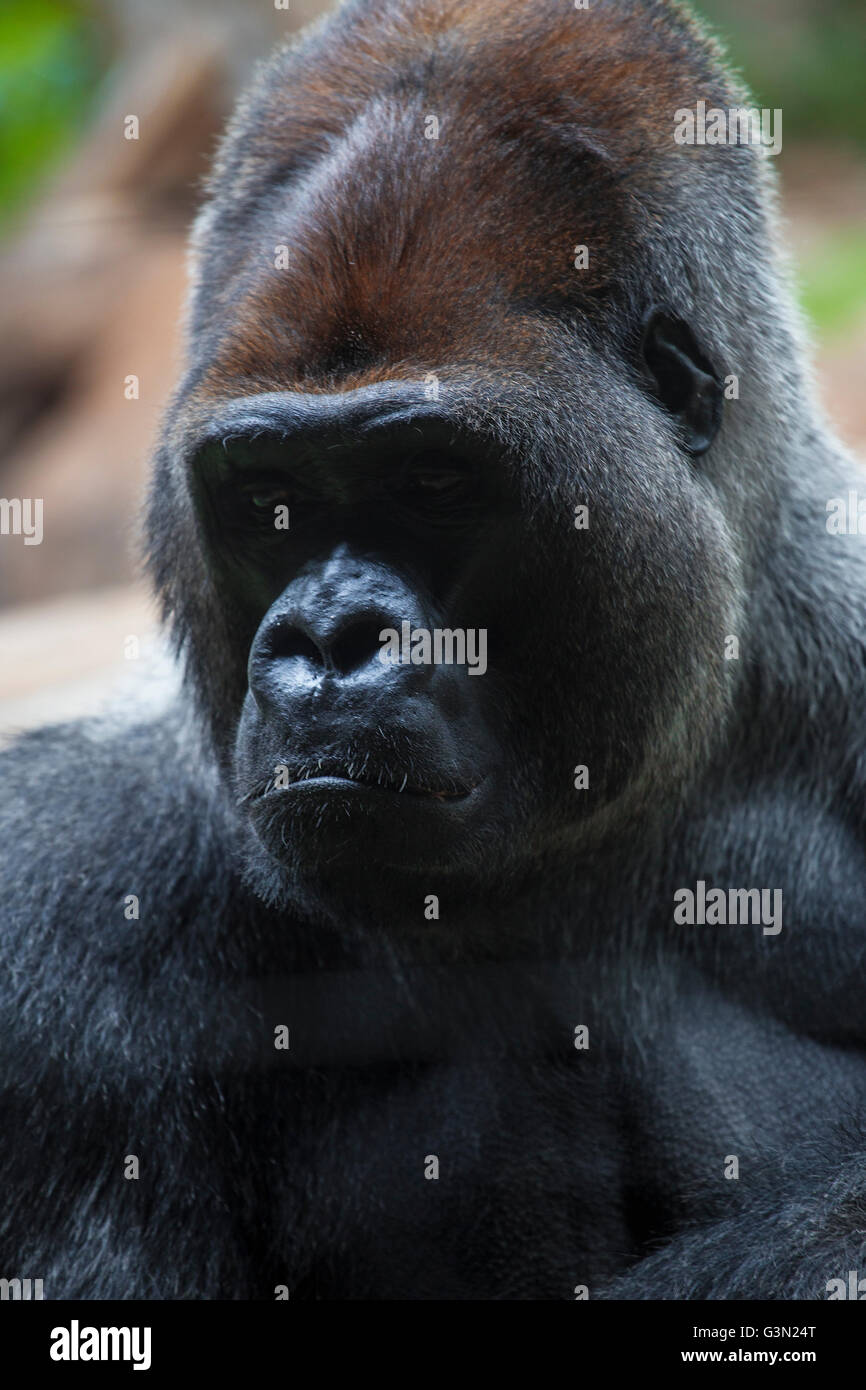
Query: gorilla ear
(685,380)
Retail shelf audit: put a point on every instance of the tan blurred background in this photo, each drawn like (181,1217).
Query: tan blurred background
(92,278)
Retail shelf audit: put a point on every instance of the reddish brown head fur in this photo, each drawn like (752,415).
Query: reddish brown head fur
(409,254)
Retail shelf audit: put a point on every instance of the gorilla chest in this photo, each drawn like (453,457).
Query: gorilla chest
(517,1153)
(514,1170)
(490,1178)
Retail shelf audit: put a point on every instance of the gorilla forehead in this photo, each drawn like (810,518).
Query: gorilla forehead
(416,250)
(400,247)
(515,68)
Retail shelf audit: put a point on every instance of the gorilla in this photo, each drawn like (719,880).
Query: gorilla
(520,958)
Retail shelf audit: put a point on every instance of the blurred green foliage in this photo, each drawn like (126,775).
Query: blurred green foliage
(807,57)
(833,280)
(51,60)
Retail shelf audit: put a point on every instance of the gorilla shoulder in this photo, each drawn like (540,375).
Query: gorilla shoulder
(98,807)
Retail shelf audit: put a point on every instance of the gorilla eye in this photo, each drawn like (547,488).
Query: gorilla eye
(433,482)
(258,499)
(685,380)
(250,510)
(435,486)
(266,498)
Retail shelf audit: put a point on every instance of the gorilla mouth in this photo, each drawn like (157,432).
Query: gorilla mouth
(339,777)
(404,788)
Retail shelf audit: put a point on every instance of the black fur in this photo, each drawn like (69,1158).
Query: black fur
(559,1167)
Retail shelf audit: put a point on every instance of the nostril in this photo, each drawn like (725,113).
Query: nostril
(289,641)
(355,645)
(351,647)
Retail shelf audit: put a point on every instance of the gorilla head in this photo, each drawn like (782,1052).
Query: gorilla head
(461,317)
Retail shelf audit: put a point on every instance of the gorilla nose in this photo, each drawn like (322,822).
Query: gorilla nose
(326,629)
(343,648)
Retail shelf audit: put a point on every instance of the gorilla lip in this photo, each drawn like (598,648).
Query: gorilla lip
(403,765)
(339,780)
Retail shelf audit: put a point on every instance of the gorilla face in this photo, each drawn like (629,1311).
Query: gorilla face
(333,519)
(427,424)
(342,753)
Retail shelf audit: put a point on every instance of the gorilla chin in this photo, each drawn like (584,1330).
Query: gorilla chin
(390,800)
(337,820)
